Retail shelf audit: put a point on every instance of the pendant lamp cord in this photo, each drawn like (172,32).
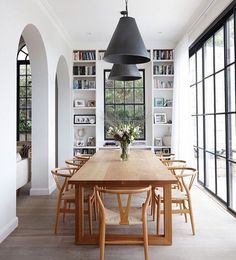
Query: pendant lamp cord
(126,7)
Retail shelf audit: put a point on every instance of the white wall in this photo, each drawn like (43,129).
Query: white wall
(15,16)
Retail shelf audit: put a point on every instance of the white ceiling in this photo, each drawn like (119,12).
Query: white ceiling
(87,21)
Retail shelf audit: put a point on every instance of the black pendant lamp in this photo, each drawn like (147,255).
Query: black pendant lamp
(124,72)
(126,45)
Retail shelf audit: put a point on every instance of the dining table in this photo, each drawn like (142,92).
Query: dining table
(105,169)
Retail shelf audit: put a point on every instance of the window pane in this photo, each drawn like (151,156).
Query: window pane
(119,96)
(200,131)
(210,133)
(219,50)
(139,95)
(109,96)
(23,81)
(119,113)
(231,88)
(29,92)
(194,119)
(193,103)
(109,84)
(129,95)
(119,84)
(22,103)
(221,177)
(230,40)
(129,84)
(139,83)
(220,92)
(29,81)
(201,165)
(232,177)
(199,65)
(192,70)
(199,98)
(208,61)
(220,135)
(139,112)
(22,69)
(210,171)
(22,92)
(232,136)
(209,95)
(129,113)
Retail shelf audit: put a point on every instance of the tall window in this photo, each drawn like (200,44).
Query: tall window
(24,96)
(124,102)
(212,69)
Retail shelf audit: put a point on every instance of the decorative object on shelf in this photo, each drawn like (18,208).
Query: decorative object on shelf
(91,103)
(169,122)
(91,84)
(158,102)
(124,134)
(160,118)
(81,132)
(167,140)
(158,141)
(124,72)
(91,141)
(168,103)
(80,143)
(79,103)
(126,45)
(84,119)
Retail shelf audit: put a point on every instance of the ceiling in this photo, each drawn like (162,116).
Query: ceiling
(86,21)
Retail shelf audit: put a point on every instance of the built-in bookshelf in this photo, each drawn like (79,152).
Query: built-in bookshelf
(84,101)
(163,82)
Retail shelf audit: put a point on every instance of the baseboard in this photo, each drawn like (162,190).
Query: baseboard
(42,191)
(6,230)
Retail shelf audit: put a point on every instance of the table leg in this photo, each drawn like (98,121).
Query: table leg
(167,214)
(79,213)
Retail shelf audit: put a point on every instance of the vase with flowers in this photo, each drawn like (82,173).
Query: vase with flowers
(124,134)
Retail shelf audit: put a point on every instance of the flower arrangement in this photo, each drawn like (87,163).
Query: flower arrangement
(124,134)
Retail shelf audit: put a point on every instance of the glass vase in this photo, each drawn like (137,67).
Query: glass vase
(124,151)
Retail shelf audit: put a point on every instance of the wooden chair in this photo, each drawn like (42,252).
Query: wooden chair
(165,156)
(66,196)
(181,196)
(174,163)
(122,215)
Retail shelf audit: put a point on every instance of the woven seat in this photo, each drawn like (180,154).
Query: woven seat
(176,194)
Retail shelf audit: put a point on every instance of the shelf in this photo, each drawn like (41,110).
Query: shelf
(163,89)
(78,125)
(85,89)
(84,76)
(164,124)
(163,60)
(163,107)
(163,146)
(84,147)
(75,108)
(163,75)
(84,61)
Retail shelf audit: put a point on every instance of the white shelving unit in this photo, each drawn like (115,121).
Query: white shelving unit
(84,101)
(162,93)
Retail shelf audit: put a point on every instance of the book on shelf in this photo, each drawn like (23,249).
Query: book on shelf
(84,84)
(84,55)
(163,69)
(84,70)
(162,83)
(163,54)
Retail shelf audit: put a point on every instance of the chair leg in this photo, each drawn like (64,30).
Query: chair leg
(90,215)
(95,208)
(102,239)
(64,213)
(185,214)
(191,216)
(153,202)
(57,215)
(158,214)
(145,237)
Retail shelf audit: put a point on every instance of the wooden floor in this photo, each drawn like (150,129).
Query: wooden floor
(34,239)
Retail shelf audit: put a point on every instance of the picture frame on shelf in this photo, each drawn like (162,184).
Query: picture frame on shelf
(79,103)
(84,119)
(91,103)
(168,103)
(158,102)
(91,141)
(160,118)
(158,141)
(91,84)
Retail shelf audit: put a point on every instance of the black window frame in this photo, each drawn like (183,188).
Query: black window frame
(142,71)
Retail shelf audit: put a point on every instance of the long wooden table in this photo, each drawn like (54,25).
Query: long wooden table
(105,169)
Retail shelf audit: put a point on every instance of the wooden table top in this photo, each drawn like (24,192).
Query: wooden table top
(143,167)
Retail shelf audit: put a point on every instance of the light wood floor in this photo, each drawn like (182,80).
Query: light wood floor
(34,239)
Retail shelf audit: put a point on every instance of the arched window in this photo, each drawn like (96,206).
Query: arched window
(24,96)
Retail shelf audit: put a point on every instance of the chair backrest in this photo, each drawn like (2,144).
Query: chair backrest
(174,162)
(165,156)
(75,162)
(185,176)
(61,177)
(124,209)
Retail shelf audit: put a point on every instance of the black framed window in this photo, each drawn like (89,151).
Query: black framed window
(124,102)
(24,96)
(212,69)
